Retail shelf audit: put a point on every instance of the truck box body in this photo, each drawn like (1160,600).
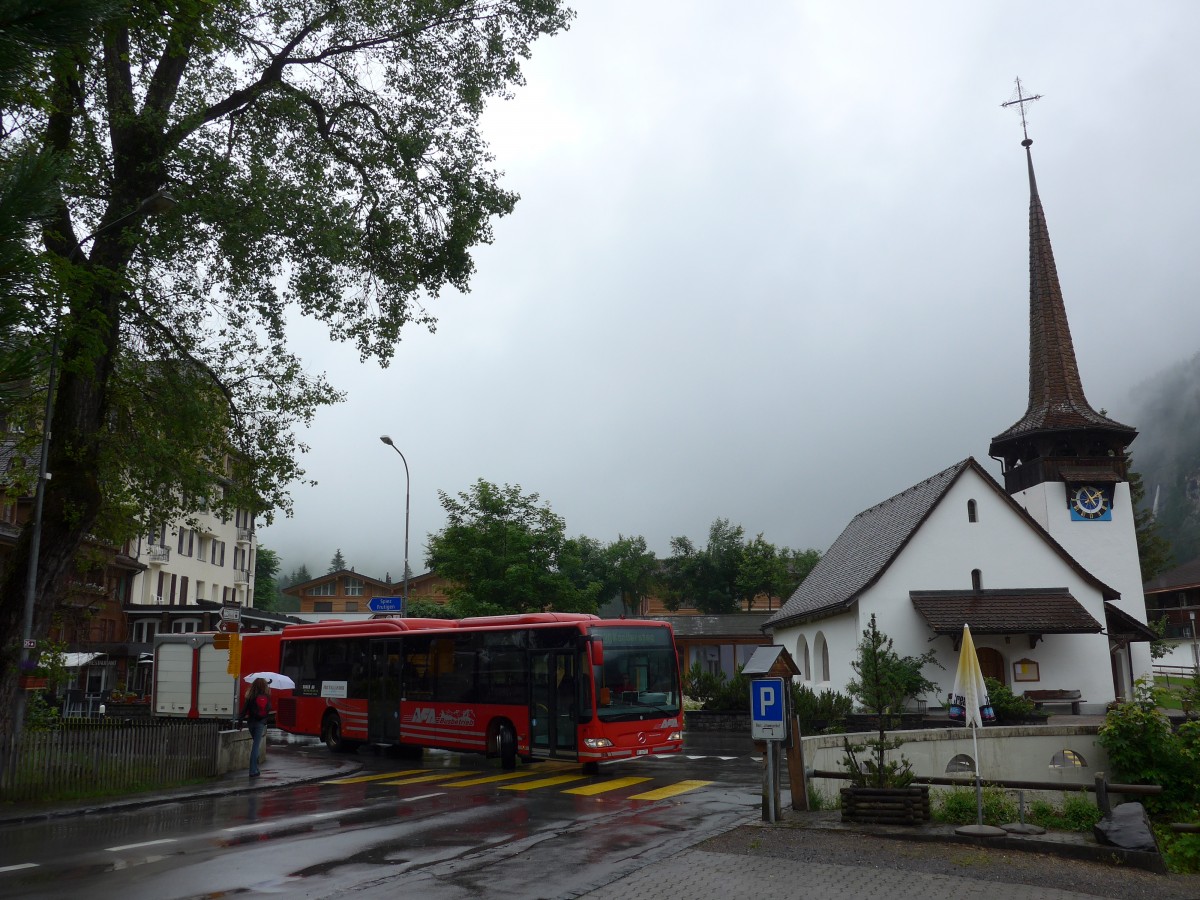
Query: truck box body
(191,674)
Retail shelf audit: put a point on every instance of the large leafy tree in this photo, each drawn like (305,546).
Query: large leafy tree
(326,160)
(634,570)
(505,553)
(266,587)
(730,571)
(708,576)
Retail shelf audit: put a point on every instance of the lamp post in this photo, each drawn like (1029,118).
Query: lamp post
(407,485)
(158,202)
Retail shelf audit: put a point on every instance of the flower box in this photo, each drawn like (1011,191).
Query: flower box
(886,806)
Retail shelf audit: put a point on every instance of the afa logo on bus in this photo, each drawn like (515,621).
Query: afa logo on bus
(429,716)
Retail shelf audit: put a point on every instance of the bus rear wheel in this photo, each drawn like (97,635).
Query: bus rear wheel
(331,734)
(506,741)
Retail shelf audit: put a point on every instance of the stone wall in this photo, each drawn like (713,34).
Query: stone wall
(233,751)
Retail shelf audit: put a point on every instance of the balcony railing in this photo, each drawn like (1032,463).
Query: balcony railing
(244,535)
(241,576)
(156,554)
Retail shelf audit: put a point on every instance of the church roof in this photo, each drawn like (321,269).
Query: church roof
(865,548)
(1056,398)
(876,536)
(1013,611)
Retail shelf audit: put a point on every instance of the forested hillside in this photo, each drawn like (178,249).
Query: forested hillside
(1167,453)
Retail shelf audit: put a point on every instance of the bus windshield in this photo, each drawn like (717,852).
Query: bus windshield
(639,677)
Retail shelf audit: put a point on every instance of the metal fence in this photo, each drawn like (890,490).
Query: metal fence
(95,757)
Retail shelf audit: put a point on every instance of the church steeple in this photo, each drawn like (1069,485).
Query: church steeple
(1061,436)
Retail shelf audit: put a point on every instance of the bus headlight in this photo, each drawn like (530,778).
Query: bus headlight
(597,743)
(675,736)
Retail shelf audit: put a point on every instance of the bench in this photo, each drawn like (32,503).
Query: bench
(1055,698)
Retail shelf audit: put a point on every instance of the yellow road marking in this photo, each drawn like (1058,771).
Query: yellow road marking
(357,779)
(471,782)
(588,790)
(541,783)
(681,787)
(438,776)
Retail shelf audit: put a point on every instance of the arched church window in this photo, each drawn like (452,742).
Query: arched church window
(822,647)
(972,511)
(976,580)
(802,658)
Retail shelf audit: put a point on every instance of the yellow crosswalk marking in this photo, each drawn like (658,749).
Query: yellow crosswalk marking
(680,787)
(588,790)
(437,776)
(541,783)
(487,779)
(358,779)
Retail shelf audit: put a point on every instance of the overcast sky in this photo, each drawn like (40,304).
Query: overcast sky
(770,264)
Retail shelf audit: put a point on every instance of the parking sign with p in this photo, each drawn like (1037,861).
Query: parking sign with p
(767,704)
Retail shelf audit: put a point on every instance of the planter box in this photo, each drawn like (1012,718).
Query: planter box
(886,806)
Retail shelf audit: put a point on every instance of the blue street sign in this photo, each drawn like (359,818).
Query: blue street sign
(386,604)
(766,709)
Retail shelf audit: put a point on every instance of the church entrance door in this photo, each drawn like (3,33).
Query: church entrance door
(992,664)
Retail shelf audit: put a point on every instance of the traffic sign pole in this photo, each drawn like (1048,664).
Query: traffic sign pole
(768,718)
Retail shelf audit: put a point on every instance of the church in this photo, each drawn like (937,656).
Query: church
(1043,567)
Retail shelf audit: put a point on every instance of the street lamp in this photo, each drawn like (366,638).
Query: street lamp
(407,484)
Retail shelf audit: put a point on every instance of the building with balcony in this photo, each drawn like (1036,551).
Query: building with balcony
(1173,598)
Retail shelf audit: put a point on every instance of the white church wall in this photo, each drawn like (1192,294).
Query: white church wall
(1106,549)
(942,555)
(840,634)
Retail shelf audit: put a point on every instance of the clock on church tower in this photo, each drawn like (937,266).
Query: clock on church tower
(1089,503)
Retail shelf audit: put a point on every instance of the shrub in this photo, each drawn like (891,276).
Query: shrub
(1142,749)
(39,714)
(713,691)
(824,712)
(960,807)
(1009,707)
(1077,813)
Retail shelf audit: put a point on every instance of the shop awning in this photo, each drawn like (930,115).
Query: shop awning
(76,660)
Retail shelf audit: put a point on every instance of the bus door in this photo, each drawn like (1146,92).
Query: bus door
(383,691)
(554,708)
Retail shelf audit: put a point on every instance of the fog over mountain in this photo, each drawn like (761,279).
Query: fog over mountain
(1167,452)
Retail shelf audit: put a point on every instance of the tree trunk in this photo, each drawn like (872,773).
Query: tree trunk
(73,495)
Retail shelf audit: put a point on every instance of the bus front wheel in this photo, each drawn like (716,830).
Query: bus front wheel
(506,741)
(331,734)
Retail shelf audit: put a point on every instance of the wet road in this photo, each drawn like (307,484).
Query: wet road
(450,826)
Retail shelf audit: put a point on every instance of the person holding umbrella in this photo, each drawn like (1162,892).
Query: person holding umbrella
(255,711)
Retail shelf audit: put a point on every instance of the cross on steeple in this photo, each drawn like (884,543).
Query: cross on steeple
(1020,100)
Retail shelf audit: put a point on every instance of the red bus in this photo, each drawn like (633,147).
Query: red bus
(538,686)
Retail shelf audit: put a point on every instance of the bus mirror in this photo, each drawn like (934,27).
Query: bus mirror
(596,651)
